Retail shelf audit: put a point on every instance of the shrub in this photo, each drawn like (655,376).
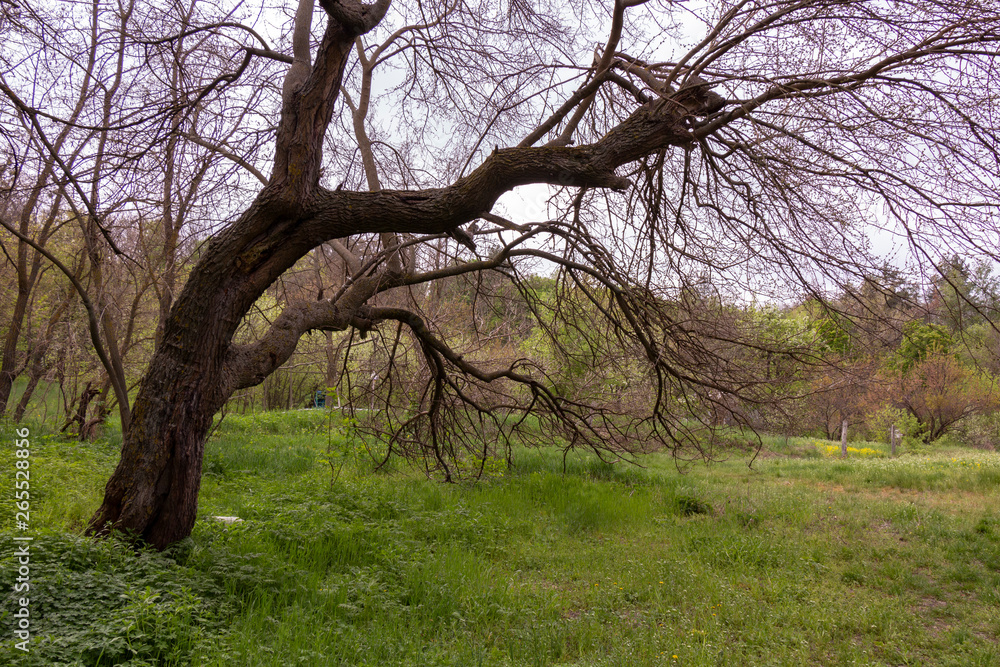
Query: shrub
(939,391)
(880,421)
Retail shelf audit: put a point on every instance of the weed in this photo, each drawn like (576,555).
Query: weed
(688,505)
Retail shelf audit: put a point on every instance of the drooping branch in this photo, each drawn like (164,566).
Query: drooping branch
(449,403)
(248,365)
(333,214)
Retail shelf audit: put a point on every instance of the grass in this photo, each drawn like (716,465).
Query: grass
(803,559)
(46,402)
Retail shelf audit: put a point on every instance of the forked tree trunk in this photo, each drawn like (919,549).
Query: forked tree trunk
(154,490)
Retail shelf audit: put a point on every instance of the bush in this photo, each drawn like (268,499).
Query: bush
(940,392)
(979,431)
(879,422)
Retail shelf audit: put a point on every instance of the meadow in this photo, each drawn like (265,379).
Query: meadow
(801,559)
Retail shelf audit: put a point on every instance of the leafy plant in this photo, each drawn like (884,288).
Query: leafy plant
(103,603)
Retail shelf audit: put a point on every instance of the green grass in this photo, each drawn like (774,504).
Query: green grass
(45,403)
(803,559)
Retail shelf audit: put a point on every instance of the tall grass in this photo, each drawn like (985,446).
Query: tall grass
(801,559)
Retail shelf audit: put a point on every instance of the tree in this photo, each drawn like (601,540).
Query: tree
(837,396)
(939,391)
(757,159)
(23,201)
(921,342)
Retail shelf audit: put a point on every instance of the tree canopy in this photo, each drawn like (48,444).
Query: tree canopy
(684,154)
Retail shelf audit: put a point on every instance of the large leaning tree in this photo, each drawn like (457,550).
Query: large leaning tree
(689,154)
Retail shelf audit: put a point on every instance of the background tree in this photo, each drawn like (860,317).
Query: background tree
(939,391)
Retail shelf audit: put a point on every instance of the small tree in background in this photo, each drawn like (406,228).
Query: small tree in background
(939,391)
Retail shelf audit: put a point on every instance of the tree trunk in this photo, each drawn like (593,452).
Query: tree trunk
(36,369)
(154,490)
(8,365)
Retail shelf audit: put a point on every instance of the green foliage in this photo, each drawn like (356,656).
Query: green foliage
(941,391)
(921,341)
(342,443)
(102,603)
(56,457)
(833,334)
(979,431)
(290,423)
(881,420)
(965,296)
(688,505)
(273,443)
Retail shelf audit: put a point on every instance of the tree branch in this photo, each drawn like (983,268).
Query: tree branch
(93,324)
(248,365)
(333,214)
